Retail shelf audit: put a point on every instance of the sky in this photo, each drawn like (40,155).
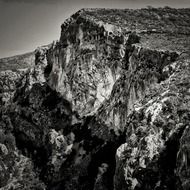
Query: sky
(27,24)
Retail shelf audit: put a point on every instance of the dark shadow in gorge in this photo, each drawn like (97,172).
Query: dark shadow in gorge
(97,151)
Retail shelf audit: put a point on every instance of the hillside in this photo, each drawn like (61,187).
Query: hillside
(17,62)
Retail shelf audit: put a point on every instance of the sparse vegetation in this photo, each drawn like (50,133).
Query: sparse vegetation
(17,62)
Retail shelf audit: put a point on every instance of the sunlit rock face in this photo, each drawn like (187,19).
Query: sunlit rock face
(104,108)
(143,70)
(86,62)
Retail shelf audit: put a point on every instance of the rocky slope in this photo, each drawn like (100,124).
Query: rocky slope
(105,107)
(12,69)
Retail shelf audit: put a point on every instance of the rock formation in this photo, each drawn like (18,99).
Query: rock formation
(107,107)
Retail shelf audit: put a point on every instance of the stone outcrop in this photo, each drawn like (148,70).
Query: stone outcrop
(8,84)
(105,107)
(155,132)
(15,70)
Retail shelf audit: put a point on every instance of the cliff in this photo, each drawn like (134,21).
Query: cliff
(105,107)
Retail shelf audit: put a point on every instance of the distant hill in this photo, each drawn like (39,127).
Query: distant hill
(17,62)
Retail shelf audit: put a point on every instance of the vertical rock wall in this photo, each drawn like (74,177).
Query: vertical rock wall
(86,63)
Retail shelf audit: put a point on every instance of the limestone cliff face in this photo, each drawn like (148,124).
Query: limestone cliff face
(143,70)
(104,50)
(105,107)
(86,62)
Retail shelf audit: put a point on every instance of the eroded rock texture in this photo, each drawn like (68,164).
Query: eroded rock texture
(104,108)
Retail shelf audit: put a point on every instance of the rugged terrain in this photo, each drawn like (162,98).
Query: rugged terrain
(107,107)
